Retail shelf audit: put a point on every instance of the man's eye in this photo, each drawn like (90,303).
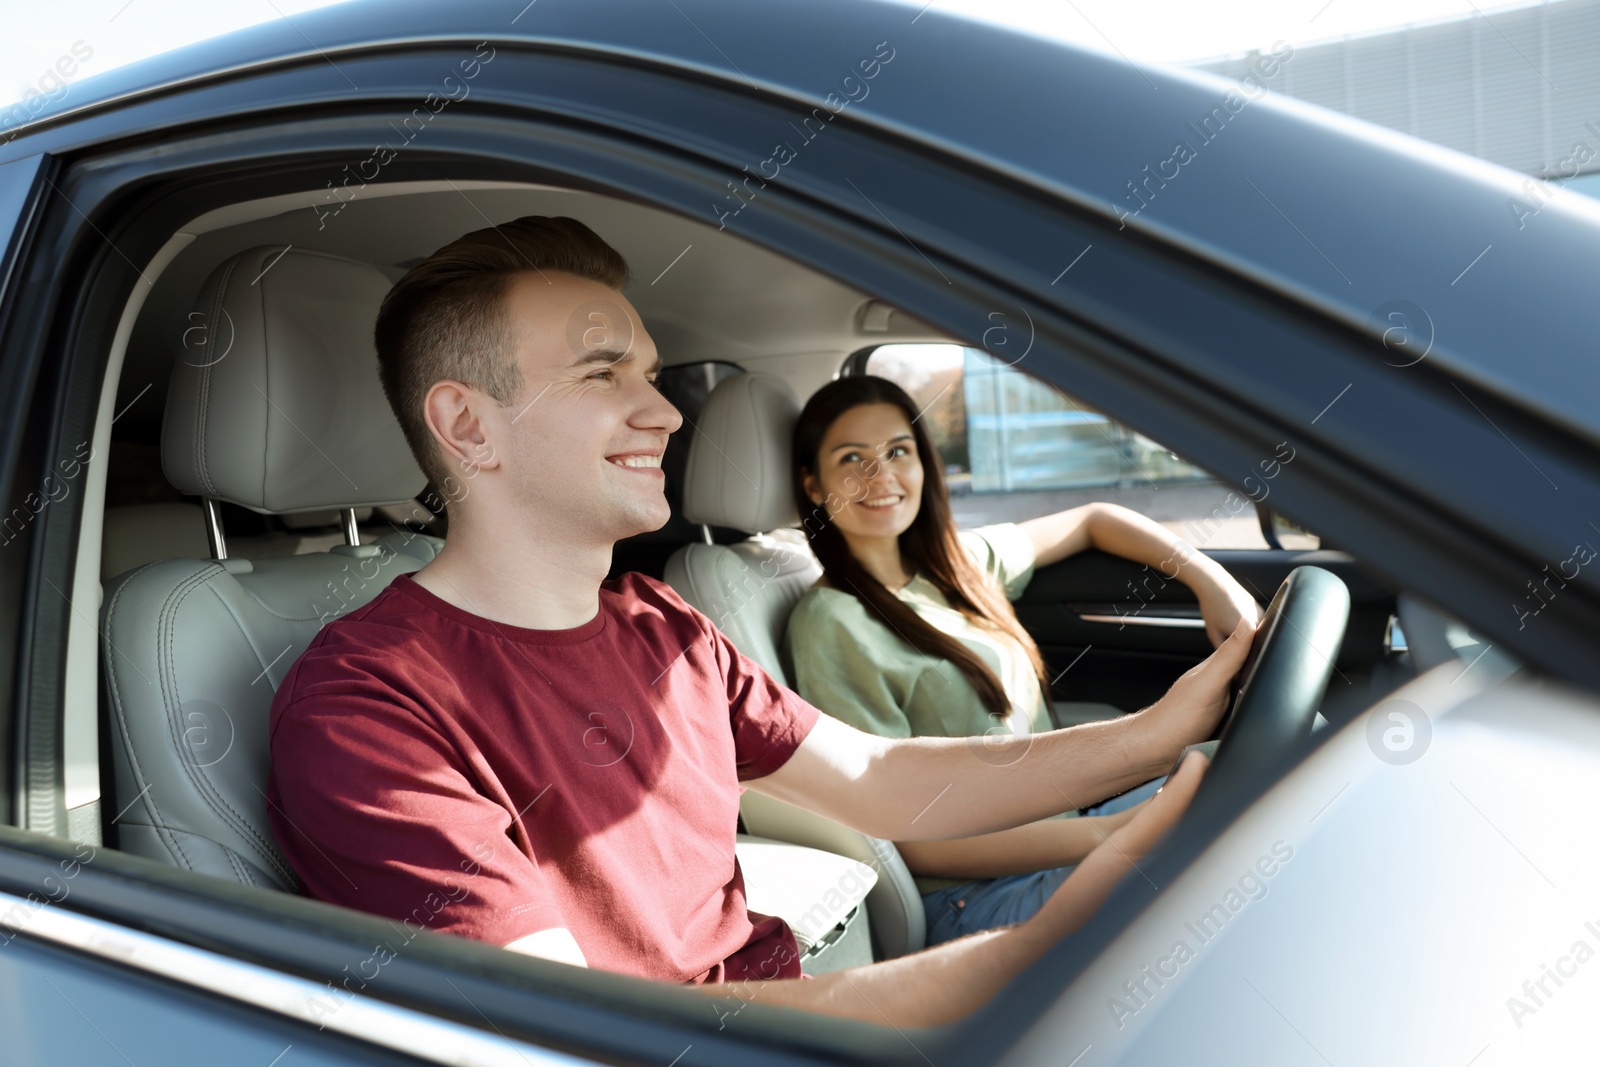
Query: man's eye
(601,374)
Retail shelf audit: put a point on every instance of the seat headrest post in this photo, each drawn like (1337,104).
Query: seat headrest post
(214,535)
(352,533)
(705,533)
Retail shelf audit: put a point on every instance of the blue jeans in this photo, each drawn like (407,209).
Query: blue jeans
(965,909)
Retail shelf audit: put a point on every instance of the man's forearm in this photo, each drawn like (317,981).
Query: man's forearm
(931,988)
(947,982)
(936,788)
(928,788)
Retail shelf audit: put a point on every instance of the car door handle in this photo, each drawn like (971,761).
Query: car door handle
(1140,613)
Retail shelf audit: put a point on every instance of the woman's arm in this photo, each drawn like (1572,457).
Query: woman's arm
(1126,533)
(1035,846)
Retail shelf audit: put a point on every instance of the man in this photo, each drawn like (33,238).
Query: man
(506,746)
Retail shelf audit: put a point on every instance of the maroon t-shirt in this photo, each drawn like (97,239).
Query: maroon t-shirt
(491,781)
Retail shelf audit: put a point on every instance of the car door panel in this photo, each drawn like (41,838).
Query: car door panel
(1120,632)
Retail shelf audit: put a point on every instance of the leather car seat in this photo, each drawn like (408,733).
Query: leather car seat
(738,476)
(279,410)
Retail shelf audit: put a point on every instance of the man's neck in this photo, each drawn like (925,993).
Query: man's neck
(524,580)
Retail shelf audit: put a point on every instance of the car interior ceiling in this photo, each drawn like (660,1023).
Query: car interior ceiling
(714,304)
(707,298)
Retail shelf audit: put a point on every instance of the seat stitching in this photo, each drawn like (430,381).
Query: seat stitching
(266,371)
(239,868)
(163,618)
(162,831)
(202,465)
(384,562)
(202,782)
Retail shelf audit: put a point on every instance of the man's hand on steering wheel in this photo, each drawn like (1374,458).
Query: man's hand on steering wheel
(1190,711)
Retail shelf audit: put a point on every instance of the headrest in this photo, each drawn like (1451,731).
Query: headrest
(275,403)
(738,473)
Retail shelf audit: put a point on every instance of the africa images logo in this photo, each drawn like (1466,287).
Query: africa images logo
(1398,732)
(1139,992)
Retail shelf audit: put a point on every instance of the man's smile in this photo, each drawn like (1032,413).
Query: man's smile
(643,462)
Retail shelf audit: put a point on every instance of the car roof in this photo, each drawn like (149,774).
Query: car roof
(1485,272)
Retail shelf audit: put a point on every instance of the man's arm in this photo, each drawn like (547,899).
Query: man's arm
(1126,533)
(945,983)
(928,788)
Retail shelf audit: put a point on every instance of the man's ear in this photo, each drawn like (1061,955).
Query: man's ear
(452,411)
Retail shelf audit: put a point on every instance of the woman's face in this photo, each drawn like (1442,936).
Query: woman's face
(868,473)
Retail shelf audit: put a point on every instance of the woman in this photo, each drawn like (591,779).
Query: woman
(910,630)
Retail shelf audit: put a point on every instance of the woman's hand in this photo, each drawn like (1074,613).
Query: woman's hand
(1224,604)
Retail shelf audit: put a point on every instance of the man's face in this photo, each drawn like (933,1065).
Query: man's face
(582,443)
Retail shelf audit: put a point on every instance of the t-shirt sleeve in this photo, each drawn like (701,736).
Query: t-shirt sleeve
(1005,552)
(375,811)
(769,719)
(835,668)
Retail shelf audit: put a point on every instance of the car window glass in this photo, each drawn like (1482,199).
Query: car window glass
(1015,448)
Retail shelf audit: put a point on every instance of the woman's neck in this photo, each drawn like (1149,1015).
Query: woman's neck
(881,558)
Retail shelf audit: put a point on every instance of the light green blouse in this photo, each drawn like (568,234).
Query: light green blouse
(856,669)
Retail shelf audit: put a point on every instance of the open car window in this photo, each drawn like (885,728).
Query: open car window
(1015,447)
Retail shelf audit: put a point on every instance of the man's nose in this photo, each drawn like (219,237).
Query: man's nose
(657,412)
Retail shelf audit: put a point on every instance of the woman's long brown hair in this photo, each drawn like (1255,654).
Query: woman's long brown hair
(930,543)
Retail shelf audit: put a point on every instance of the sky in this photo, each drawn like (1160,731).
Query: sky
(1191,31)
(91,36)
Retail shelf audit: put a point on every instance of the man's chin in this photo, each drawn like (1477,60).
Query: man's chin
(645,520)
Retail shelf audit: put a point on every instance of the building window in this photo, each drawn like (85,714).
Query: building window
(1014,448)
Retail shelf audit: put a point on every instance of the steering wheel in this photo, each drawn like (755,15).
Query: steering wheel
(1283,679)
